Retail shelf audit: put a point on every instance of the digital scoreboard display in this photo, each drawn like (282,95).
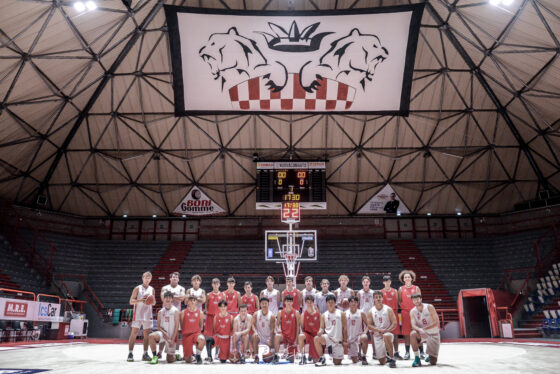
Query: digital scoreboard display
(291,181)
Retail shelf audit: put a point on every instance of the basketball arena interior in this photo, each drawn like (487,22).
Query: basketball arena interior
(400,155)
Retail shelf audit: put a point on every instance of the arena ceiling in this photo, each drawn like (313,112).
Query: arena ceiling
(86,114)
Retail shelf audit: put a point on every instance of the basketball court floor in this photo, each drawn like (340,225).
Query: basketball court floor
(88,357)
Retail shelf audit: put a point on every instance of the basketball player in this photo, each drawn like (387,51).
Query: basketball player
(212,302)
(332,333)
(343,293)
(178,293)
(391,298)
(425,327)
(232,297)
(321,296)
(310,323)
(271,294)
(293,292)
(263,328)
(250,299)
(356,320)
(192,320)
(365,295)
(382,321)
(241,328)
(407,277)
(309,290)
(196,291)
(167,329)
(142,316)
(223,325)
(287,323)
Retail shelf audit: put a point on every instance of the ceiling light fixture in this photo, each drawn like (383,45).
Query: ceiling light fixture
(91,5)
(79,6)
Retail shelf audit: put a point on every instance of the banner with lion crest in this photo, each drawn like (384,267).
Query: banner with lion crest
(349,61)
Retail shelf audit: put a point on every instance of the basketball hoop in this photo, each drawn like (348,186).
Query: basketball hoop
(291,265)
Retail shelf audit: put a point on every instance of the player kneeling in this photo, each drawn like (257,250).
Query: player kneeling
(263,328)
(241,329)
(310,324)
(168,327)
(425,328)
(357,339)
(287,323)
(381,321)
(223,328)
(332,333)
(192,321)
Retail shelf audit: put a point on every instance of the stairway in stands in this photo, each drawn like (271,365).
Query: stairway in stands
(530,326)
(433,290)
(6,282)
(170,261)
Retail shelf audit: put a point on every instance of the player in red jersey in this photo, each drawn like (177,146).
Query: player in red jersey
(192,321)
(232,297)
(212,300)
(223,327)
(407,277)
(310,323)
(293,292)
(250,299)
(287,322)
(391,299)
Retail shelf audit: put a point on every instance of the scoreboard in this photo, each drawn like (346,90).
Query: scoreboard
(291,181)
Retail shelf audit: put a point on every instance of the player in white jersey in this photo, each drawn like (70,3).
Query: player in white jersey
(241,328)
(381,322)
(357,338)
(263,323)
(308,290)
(197,292)
(332,333)
(343,293)
(365,295)
(142,315)
(176,290)
(272,294)
(167,329)
(425,327)
(356,320)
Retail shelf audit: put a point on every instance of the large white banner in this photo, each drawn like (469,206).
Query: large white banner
(28,310)
(354,61)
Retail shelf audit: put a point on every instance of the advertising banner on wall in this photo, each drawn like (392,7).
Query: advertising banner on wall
(385,201)
(29,310)
(197,203)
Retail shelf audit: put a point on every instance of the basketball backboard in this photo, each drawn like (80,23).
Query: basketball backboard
(276,245)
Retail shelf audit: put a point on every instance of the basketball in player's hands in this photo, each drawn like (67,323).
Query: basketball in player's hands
(268,357)
(150,300)
(234,357)
(345,304)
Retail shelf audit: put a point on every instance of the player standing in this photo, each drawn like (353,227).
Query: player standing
(356,320)
(365,295)
(382,321)
(223,325)
(168,329)
(332,333)
(197,292)
(192,320)
(142,317)
(407,277)
(293,292)
(212,302)
(321,296)
(263,328)
(232,297)
(241,328)
(178,293)
(391,298)
(310,323)
(307,291)
(250,299)
(425,327)
(287,323)
(272,294)
(343,293)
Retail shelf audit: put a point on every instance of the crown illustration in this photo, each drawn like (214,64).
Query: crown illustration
(294,40)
